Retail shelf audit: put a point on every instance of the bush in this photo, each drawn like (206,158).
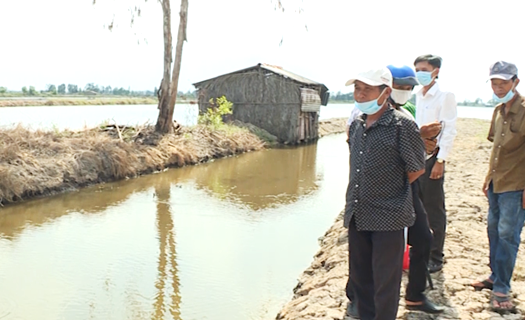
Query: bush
(213,117)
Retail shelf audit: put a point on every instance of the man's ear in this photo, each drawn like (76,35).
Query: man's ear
(385,96)
(516,82)
(436,72)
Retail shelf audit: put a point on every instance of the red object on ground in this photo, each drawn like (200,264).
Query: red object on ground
(406,258)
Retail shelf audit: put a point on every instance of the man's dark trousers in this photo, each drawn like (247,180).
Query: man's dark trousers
(433,197)
(420,238)
(377,265)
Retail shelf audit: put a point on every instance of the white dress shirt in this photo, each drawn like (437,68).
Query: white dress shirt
(438,105)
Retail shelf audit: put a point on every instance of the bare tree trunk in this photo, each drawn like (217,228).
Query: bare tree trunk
(164,97)
(167,102)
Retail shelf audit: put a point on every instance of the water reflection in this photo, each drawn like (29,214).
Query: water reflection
(255,180)
(261,179)
(167,284)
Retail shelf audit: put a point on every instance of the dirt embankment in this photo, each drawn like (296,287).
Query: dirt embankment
(36,163)
(320,294)
(331,126)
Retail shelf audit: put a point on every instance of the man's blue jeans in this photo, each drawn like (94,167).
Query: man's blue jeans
(505,221)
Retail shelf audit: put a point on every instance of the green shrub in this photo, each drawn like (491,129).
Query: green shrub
(213,117)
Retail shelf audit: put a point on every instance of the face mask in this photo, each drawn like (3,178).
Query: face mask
(401,96)
(369,107)
(424,77)
(506,98)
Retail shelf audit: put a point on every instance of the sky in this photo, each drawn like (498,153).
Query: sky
(329,41)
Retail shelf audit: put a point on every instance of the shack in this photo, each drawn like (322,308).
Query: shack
(283,103)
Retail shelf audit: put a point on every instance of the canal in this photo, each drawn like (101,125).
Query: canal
(224,240)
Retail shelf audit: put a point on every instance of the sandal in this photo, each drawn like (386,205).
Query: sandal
(485,284)
(496,304)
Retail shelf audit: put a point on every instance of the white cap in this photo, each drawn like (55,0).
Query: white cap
(377,77)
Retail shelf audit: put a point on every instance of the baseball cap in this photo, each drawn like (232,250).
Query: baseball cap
(375,77)
(503,70)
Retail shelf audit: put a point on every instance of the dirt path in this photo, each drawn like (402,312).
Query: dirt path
(320,291)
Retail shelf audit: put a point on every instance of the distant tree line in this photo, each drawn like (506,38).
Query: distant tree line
(477,103)
(89,89)
(342,97)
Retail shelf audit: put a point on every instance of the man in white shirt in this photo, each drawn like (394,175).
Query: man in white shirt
(432,105)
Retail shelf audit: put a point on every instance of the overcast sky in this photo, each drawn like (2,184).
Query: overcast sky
(64,41)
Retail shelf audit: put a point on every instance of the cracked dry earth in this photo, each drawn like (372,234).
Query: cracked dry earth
(320,294)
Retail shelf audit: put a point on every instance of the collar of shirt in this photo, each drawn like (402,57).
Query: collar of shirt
(385,118)
(516,105)
(432,91)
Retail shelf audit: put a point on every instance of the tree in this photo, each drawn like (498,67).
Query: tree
(167,93)
(32,91)
(61,89)
(72,88)
(168,87)
(92,87)
(24,91)
(170,80)
(51,88)
(3,90)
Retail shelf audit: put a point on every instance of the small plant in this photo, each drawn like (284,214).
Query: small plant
(213,117)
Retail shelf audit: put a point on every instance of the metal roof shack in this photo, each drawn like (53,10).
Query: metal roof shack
(281,102)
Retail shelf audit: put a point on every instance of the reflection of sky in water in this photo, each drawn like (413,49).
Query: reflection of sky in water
(175,242)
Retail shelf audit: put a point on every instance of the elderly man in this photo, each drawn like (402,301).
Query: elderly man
(505,183)
(386,155)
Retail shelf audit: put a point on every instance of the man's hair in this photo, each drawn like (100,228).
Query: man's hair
(382,87)
(514,78)
(433,60)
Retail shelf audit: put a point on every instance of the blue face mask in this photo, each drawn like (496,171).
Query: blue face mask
(369,107)
(506,98)
(424,77)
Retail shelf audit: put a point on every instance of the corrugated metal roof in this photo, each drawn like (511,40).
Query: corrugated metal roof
(287,74)
(274,69)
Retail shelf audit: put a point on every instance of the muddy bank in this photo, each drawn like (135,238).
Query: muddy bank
(38,163)
(320,294)
(332,126)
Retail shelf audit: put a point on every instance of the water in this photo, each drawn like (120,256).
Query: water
(224,240)
(78,117)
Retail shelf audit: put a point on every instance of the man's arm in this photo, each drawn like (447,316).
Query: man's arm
(413,176)
(490,136)
(412,150)
(449,116)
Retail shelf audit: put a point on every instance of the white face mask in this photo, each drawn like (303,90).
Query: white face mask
(401,96)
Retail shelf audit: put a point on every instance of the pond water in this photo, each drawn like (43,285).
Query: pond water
(225,240)
(78,117)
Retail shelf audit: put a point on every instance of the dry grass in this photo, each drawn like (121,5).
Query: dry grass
(35,163)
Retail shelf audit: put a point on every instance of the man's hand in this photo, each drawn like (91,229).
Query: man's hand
(430,130)
(430,145)
(486,190)
(437,171)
